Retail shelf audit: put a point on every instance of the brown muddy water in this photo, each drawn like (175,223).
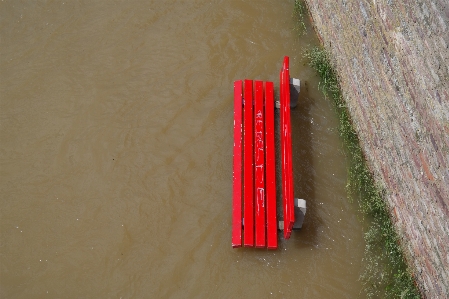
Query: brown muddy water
(116,154)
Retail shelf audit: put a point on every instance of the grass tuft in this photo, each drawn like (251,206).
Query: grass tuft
(385,274)
(300,12)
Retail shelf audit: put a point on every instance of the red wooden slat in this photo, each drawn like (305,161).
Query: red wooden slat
(259,165)
(237,173)
(248,179)
(281,118)
(270,168)
(289,149)
(286,150)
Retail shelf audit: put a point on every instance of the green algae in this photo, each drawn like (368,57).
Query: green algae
(300,12)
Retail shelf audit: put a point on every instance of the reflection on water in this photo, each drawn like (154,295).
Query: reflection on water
(116,154)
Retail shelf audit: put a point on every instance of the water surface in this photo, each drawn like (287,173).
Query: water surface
(116,154)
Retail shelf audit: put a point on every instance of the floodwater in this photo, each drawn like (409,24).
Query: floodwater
(116,143)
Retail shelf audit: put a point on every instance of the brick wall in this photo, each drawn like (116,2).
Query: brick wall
(393,61)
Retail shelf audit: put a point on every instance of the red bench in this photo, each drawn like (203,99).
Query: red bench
(254,176)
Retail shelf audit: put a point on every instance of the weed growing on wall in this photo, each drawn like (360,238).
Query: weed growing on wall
(385,274)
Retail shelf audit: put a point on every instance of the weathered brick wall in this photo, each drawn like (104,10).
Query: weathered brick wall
(393,60)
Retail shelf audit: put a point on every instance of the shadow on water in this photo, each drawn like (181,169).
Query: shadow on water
(304,171)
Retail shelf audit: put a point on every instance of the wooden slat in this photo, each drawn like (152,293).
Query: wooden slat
(237,172)
(282,116)
(259,165)
(286,150)
(248,179)
(270,168)
(289,148)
